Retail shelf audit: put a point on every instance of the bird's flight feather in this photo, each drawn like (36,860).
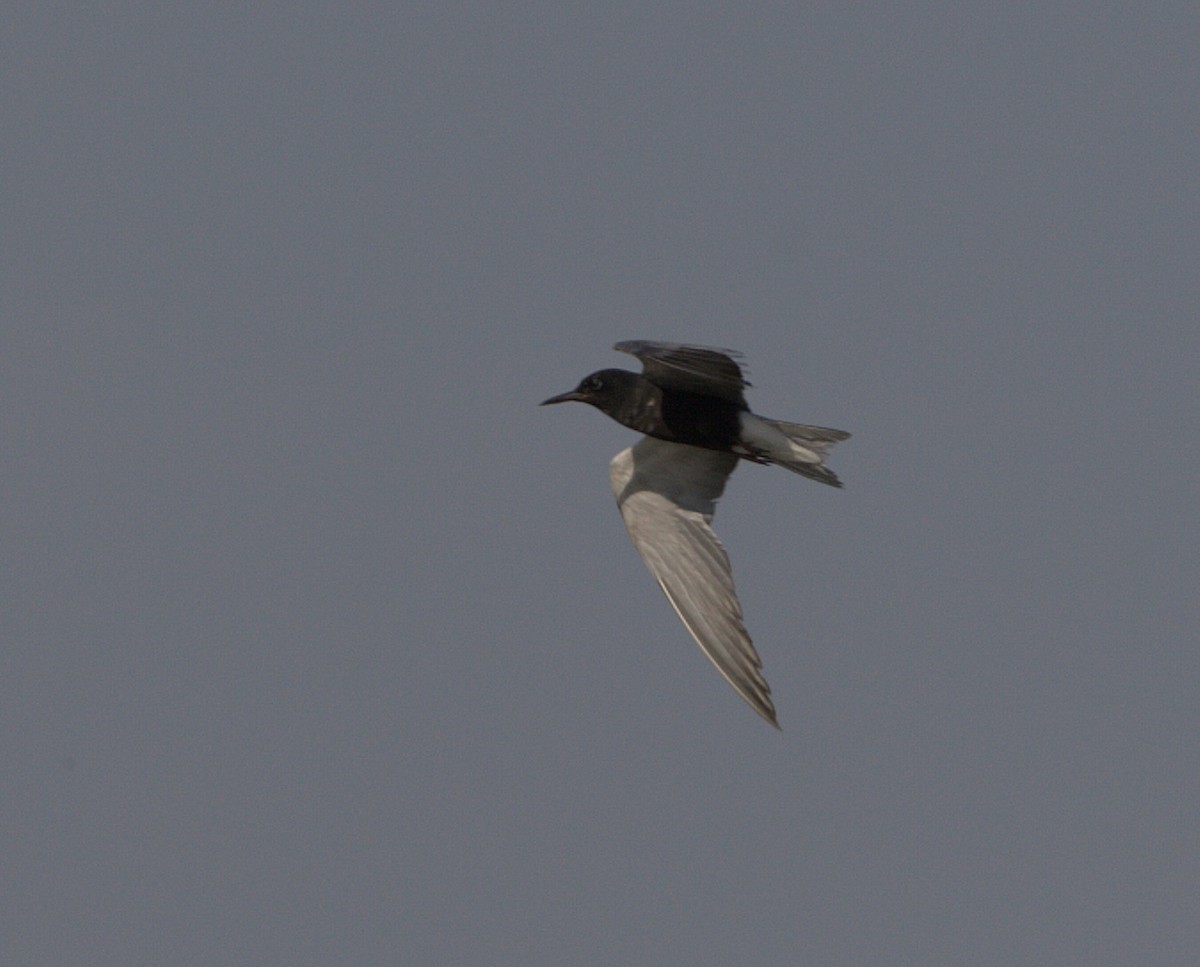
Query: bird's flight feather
(691,369)
(667,494)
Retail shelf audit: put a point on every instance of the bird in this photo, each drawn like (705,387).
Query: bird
(689,403)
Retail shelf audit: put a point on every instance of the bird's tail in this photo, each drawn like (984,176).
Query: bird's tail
(808,447)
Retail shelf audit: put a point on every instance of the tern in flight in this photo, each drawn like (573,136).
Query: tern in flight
(689,402)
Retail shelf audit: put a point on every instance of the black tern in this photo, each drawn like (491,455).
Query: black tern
(689,402)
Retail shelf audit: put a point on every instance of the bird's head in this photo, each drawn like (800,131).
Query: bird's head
(606,390)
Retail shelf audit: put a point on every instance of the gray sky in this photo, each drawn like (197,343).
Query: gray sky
(322,644)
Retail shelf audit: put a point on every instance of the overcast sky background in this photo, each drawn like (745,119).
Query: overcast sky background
(322,644)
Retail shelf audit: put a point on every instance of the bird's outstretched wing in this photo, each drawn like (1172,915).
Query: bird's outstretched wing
(666,493)
(692,369)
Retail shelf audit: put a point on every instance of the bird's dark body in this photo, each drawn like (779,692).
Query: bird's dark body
(701,421)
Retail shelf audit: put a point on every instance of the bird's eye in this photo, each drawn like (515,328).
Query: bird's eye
(595,383)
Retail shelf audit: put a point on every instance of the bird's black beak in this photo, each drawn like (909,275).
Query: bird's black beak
(564,398)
